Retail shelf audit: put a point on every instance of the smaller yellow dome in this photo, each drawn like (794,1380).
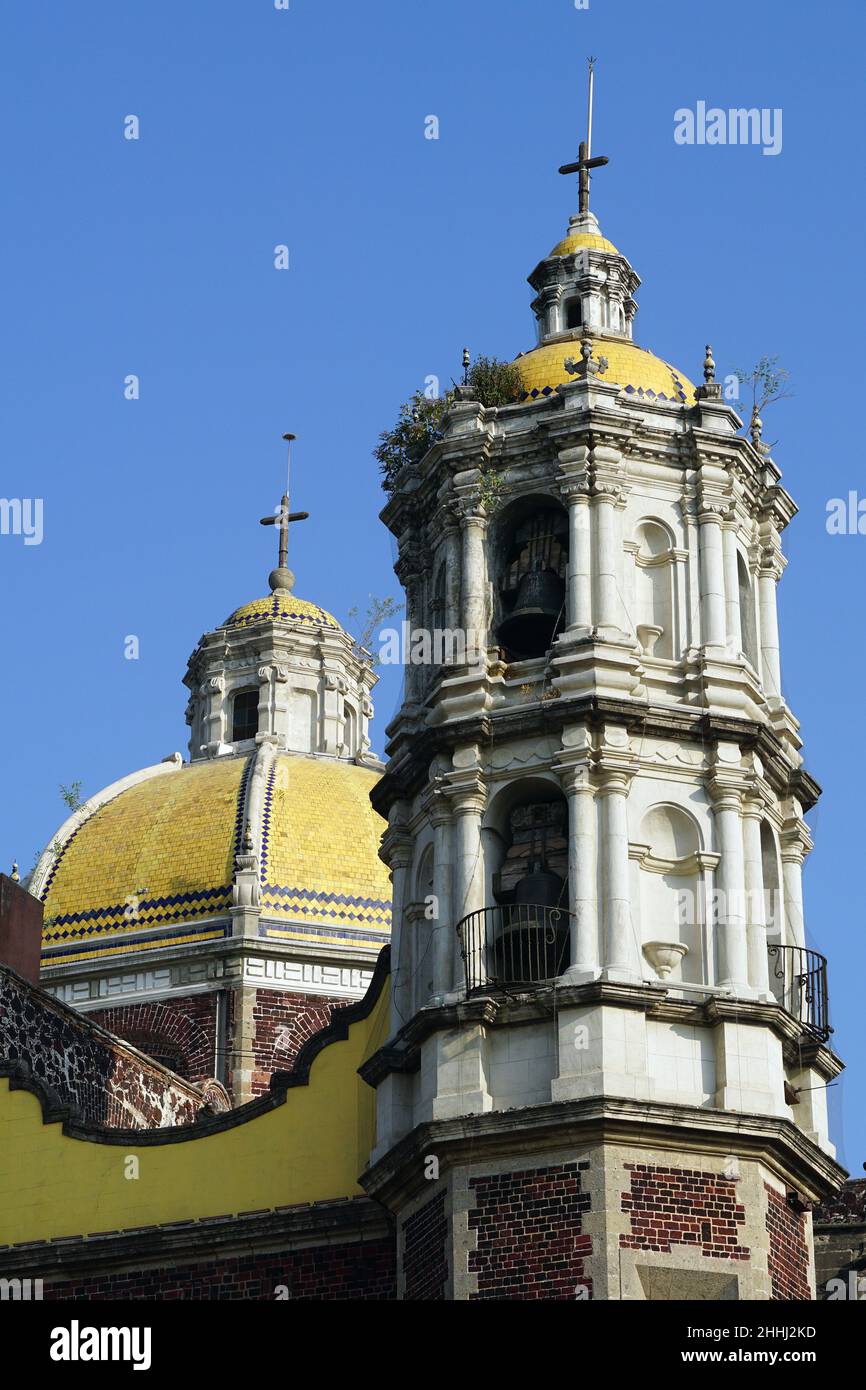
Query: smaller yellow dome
(635,370)
(285,607)
(583,241)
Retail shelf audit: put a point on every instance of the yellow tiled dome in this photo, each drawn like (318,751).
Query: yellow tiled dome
(282,606)
(153,866)
(583,241)
(634,369)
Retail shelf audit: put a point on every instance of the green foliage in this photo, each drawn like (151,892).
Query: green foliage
(764,383)
(72,795)
(418,428)
(494,383)
(419,425)
(490,490)
(378,612)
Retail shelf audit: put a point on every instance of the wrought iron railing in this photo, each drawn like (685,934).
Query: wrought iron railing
(513,946)
(798,978)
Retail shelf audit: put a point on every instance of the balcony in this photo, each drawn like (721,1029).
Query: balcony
(515,946)
(798,979)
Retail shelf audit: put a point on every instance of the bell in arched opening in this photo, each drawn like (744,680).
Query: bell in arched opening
(532,583)
(533,622)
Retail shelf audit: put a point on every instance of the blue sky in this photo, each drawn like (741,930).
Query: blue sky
(306,127)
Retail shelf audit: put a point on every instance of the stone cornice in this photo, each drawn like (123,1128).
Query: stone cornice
(407,771)
(776,1142)
(180,1242)
(402,1053)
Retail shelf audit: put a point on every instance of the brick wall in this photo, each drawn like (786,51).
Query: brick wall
(682,1205)
(789,1249)
(425,1260)
(183,1029)
(283,1022)
(839,1232)
(529,1238)
(74,1063)
(348,1271)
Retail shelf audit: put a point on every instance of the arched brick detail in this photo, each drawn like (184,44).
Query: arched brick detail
(283,1023)
(185,1027)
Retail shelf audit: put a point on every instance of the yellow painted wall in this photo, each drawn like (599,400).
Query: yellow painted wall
(310,1149)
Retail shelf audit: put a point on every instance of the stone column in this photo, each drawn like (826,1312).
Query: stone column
(396,851)
(795,842)
(734,967)
(756,917)
(769,574)
(213,689)
(605,596)
(582,871)
(621,954)
(712,576)
(468,877)
(473,527)
(734,630)
(407,572)
(574,490)
(443,945)
(452,576)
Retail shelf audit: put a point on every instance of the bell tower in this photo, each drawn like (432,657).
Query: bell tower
(606,1075)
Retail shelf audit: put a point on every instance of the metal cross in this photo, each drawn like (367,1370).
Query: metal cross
(283,517)
(585,162)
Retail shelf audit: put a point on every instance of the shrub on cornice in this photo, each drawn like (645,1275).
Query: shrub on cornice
(419,425)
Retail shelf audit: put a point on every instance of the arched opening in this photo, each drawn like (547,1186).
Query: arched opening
(530,937)
(245,715)
(350,728)
(748,624)
(531,569)
(773,914)
(654,590)
(573,313)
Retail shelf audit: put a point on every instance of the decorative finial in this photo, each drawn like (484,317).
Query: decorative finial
(248,839)
(756,429)
(711,389)
(281,579)
(588,365)
(585,162)
(15,875)
(467,360)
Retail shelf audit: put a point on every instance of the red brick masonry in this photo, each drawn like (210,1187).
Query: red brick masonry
(183,1029)
(789,1250)
(682,1205)
(425,1262)
(74,1063)
(325,1272)
(530,1241)
(283,1022)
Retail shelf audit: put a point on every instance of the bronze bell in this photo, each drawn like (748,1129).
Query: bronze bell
(530,627)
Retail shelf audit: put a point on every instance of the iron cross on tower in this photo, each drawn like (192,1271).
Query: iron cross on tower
(283,517)
(584,160)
